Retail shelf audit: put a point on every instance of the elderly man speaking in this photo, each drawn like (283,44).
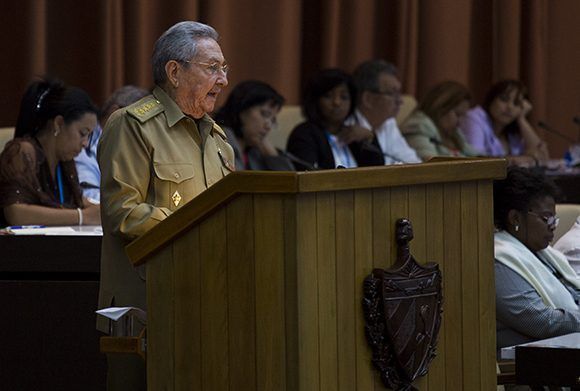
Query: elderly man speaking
(155,156)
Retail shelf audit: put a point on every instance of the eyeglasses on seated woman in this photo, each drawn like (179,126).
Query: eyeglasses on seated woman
(537,291)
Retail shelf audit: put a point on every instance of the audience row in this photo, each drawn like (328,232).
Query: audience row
(350,122)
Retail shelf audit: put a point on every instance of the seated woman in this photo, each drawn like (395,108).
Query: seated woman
(537,291)
(38,178)
(432,129)
(329,98)
(499,127)
(247,117)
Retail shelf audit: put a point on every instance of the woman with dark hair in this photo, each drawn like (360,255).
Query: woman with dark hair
(432,129)
(247,117)
(329,98)
(537,291)
(500,128)
(38,178)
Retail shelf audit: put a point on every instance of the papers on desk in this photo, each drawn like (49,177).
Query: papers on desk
(568,341)
(116,313)
(123,325)
(84,230)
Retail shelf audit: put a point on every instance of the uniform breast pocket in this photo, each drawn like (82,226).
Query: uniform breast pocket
(174,184)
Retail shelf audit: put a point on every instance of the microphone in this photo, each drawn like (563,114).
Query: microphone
(295,159)
(547,127)
(373,148)
(87,185)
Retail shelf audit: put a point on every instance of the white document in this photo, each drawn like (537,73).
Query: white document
(116,313)
(84,230)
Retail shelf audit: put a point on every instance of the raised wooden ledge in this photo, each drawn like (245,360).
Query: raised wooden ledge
(439,170)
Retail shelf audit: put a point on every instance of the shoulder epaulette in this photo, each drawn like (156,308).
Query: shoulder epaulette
(145,109)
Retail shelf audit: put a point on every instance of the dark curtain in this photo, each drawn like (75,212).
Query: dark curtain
(100,45)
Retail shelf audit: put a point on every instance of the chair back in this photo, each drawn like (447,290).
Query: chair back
(6,134)
(568,214)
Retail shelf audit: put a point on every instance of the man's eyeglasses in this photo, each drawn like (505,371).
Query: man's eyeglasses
(551,221)
(390,94)
(213,67)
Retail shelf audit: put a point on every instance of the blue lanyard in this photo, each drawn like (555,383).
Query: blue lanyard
(59,182)
(343,151)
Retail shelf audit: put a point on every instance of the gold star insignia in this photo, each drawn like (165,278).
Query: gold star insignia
(176,197)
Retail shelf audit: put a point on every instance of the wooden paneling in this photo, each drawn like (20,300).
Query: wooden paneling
(214,303)
(188,359)
(382,228)
(291,292)
(160,323)
(326,256)
(307,286)
(275,286)
(441,171)
(241,294)
(269,292)
(363,253)
(469,286)
(435,252)
(418,218)
(486,304)
(452,305)
(449,170)
(347,292)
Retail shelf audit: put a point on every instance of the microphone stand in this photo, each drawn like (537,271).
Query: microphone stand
(295,159)
(571,157)
(547,127)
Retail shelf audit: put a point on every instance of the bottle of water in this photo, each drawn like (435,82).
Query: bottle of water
(568,158)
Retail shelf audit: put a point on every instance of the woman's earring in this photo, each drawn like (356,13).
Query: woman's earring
(56,133)
(517,228)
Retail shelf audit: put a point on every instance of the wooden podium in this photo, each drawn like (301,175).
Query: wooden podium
(256,284)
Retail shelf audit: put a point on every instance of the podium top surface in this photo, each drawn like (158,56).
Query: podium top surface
(270,182)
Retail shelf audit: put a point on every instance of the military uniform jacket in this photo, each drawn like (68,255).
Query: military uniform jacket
(153,160)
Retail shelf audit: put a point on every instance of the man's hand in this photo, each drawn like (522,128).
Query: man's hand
(349,134)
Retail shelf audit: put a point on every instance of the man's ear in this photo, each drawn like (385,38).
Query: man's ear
(172,69)
(514,218)
(365,100)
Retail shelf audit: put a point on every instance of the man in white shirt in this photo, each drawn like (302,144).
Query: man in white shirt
(569,245)
(379,101)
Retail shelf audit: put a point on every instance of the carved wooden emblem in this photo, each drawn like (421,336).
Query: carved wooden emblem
(402,307)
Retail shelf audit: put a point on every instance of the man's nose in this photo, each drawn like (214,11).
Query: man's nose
(222,80)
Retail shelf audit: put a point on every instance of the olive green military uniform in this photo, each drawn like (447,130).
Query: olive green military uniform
(153,160)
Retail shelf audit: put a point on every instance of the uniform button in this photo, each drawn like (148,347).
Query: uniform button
(176,175)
